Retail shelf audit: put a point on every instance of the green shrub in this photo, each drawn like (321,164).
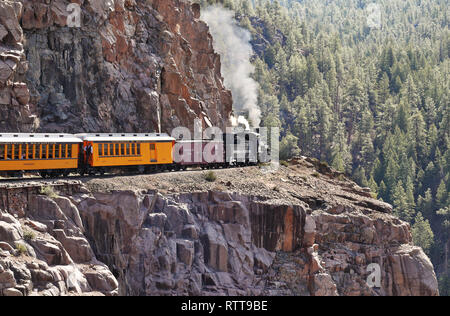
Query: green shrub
(316,175)
(210,176)
(21,249)
(284,163)
(48,191)
(29,235)
(324,164)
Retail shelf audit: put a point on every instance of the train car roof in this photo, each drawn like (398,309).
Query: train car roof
(38,138)
(116,137)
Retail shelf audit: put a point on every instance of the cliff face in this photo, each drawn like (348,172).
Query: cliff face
(295,232)
(130,66)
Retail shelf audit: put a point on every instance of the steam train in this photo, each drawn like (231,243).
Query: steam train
(55,155)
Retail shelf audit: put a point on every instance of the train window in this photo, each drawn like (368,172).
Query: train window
(133,149)
(17,152)
(44,152)
(22,152)
(122,149)
(64,151)
(9,152)
(138,149)
(152,147)
(69,151)
(2,151)
(128,149)
(105,149)
(117,149)
(37,151)
(51,150)
(100,149)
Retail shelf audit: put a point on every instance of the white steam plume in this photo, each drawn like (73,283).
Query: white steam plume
(233,44)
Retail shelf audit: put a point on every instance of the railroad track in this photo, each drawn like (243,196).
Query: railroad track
(5,182)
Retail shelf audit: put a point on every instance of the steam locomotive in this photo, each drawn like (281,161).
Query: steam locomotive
(56,155)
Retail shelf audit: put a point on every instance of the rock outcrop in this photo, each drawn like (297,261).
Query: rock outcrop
(287,238)
(44,252)
(131,66)
(16,112)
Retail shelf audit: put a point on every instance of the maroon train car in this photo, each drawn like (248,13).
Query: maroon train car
(200,153)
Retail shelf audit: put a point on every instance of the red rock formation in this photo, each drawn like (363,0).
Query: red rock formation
(15,113)
(130,66)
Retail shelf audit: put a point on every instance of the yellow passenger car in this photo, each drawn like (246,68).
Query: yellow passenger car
(46,153)
(127,150)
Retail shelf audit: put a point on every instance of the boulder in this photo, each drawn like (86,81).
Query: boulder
(216,248)
(70,210)
(190,232)
(21,93)
(7,279)
(51,251)
(5,72)
(7,247)
(10,233)
(263,259)
(9,17)
(37,226)
(12,292)
(78,248)
(102,280)
(185,251)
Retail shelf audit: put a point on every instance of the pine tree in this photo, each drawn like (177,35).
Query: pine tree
(426,204)
(401,206)
(442,195)
(289,147)
(423,236)
(445,215)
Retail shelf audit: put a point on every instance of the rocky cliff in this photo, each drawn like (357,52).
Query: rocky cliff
(304,230)
(131,66)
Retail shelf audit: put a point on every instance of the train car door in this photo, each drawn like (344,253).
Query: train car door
(88,153)
(153,157)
